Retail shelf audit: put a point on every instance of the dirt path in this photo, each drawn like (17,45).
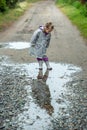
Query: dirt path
(53,103)
(67,45)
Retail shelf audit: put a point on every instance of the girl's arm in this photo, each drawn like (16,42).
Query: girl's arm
(34,37)
(48,40)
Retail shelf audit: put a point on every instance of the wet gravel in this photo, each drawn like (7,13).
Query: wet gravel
(13,97)
(12,93)
(75,117)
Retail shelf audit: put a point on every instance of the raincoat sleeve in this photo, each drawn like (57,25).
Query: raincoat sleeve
(48,40)
(34,37)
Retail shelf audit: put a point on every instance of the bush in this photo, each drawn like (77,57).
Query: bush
(11,3)
(65,1)
(84,10)
(77,4)
(3,5)
(71,1)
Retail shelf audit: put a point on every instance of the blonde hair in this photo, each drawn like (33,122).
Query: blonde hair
(49,25)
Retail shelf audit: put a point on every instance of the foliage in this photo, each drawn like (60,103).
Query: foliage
(11,15)
(30,1)
(3,5)
(11,3)
(84,10)
(77,14)
(8,17)
(77,4)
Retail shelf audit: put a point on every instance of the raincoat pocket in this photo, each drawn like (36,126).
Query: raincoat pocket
(37,50)
(32,51)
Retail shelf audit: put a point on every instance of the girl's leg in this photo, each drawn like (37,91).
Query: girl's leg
(40,61)
(45,59)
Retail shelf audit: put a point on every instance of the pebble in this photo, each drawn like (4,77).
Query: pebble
(13,97)
(12,94)
(29,121)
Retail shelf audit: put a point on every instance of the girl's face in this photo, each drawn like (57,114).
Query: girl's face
(47,30)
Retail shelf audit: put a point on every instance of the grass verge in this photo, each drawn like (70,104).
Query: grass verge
(31,1)
(76,17)
(12,15)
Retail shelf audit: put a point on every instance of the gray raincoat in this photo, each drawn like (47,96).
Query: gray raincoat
(39,43)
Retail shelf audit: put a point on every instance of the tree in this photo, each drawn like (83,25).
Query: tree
(83,1)
(11,3)
(2,5)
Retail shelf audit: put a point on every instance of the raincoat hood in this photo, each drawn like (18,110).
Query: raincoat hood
(41,28)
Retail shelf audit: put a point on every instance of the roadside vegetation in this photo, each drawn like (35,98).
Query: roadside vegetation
(11,10)
(77,12)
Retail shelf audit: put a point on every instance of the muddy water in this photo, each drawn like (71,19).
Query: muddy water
(45,97)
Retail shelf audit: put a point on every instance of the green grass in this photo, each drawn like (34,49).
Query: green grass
(31,1)
(12,15)
(76,17)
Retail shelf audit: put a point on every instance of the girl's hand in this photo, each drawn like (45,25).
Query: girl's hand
(32,45)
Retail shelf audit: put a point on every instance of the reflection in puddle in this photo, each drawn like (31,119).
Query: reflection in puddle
(15,45)
(45,100)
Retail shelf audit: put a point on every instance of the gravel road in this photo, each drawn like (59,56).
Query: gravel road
(66,87)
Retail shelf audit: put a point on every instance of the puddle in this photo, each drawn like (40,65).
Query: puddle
(15,45)
(45,100)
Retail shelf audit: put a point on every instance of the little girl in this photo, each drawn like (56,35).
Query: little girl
(39,44)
